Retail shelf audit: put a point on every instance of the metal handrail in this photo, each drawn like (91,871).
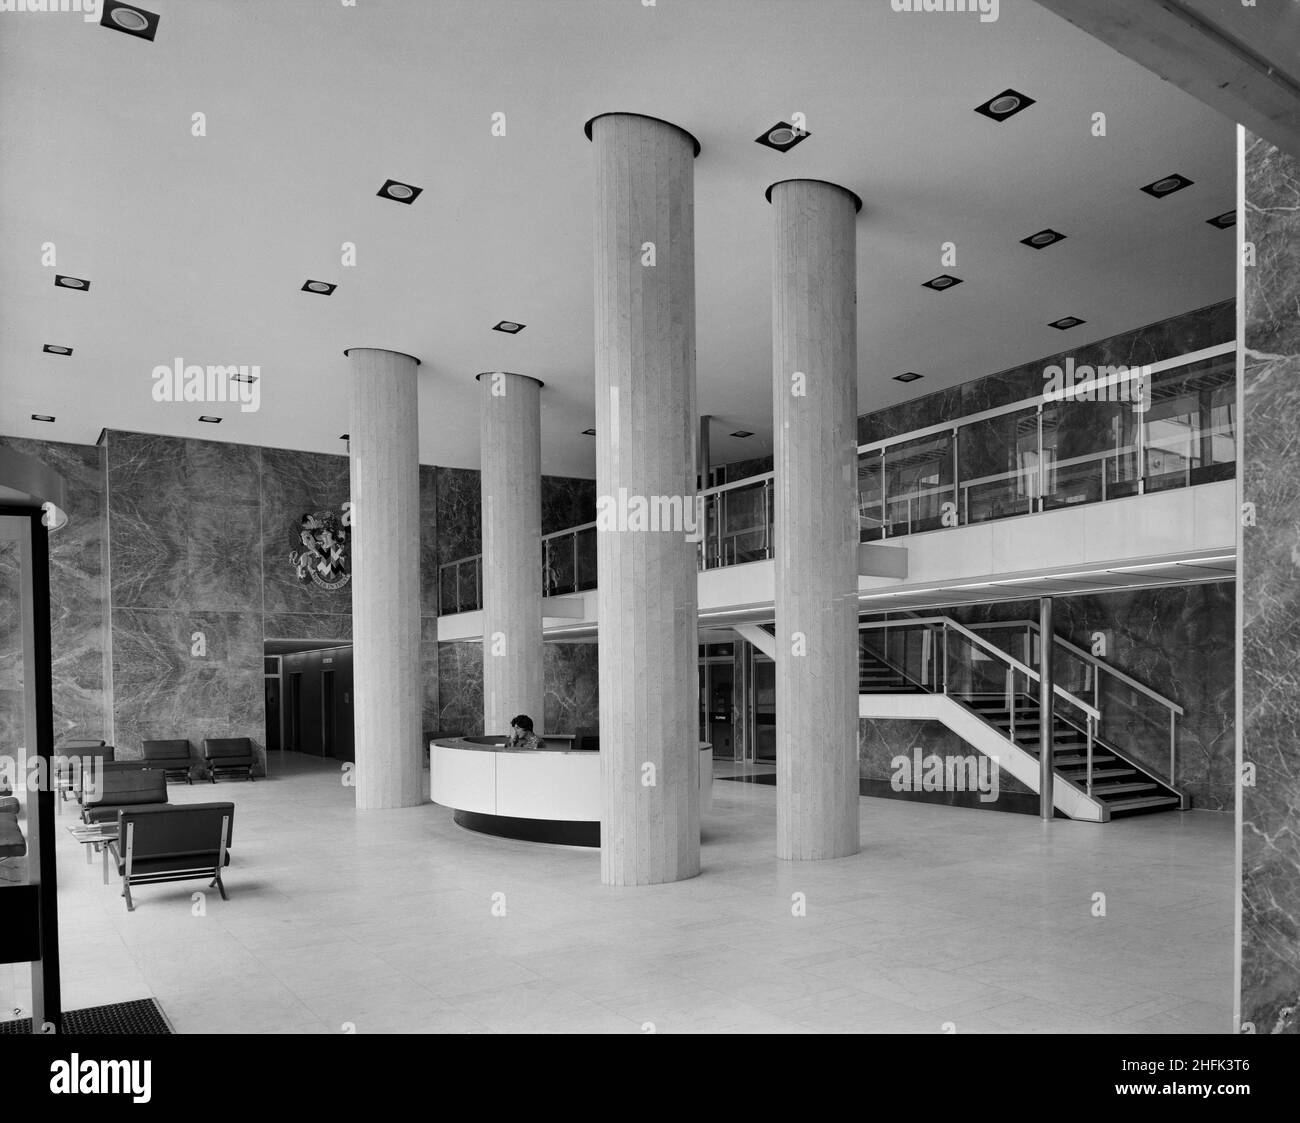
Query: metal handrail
(957,488)
(1088,657)
(1039,399)
(948,623)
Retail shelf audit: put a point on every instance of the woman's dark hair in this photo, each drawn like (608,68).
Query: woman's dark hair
(523,721)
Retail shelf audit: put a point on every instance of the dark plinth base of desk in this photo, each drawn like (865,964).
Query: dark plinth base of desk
(560,832)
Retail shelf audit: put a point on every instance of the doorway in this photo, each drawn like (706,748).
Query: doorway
(328,715)
(293,713)
(717,699)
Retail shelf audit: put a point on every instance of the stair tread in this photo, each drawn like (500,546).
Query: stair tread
(1113,789)
(1151,801)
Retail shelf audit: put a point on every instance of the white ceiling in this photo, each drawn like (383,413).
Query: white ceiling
(197,247)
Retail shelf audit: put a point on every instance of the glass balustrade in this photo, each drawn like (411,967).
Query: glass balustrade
(1175,426)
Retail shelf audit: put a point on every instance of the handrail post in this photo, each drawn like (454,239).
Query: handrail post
(1173,750)
(717,522)
(884,498)
(767,518)
(576,581)
(1091,725)
(1046,706)
(945,658)
(1011,700)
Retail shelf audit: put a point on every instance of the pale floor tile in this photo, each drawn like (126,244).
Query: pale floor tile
(381,922)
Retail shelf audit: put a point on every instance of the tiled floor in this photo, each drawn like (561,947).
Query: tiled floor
(384,921)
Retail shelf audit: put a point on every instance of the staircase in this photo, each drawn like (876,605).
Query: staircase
(1119,786)
(875,676)
(1125,787)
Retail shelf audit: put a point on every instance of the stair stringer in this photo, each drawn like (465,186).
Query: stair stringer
(761,638)
(1009,757)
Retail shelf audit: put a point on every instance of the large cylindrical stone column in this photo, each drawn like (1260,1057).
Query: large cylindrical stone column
(385,480)
(814,415)
(510,428)
(646,510)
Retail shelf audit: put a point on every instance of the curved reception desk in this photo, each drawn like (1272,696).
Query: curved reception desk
(537,795)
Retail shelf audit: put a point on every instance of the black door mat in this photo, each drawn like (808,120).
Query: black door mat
(141,1016)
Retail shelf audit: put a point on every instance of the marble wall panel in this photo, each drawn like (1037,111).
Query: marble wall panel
(184,522)
(572,676)
(78,602)
(460,533)
(460,688)
(307,626)
(430,714)
(567,501)
(1270,595)
(1191,331)
(12,717)
(294,484)
(428,540)
(880,741)
(163,690)
(743,469)
(571,681)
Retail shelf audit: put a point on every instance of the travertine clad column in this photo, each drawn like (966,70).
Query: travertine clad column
(511,481)
(645,452)
(815,398)
(385,479)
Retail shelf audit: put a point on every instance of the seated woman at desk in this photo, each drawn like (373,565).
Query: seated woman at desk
(522,735)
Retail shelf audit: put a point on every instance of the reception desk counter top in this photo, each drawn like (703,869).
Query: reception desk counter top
(546,795)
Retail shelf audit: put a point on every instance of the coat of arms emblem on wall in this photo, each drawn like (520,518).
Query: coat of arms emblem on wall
(325,558)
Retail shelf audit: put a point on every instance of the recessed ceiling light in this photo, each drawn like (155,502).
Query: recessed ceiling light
(907,376)
(42,417)
(132,20)
(1007,104)
(56,349)
(1043,239)
(207,418)
(1067,322)
(399,192)
(589,432)
(742,433)
(1167,186)
(782,136)
(322,287)
(240,377)
(509,327)
(1223,221)
(65,282)
(941,282)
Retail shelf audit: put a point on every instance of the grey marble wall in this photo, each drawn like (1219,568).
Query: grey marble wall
(566,502)
(571,676)
(1191,331)
(460,688)
(294,484)
(187,557)
(1203,327)
(78,604)
(1270,595)
(880,741)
